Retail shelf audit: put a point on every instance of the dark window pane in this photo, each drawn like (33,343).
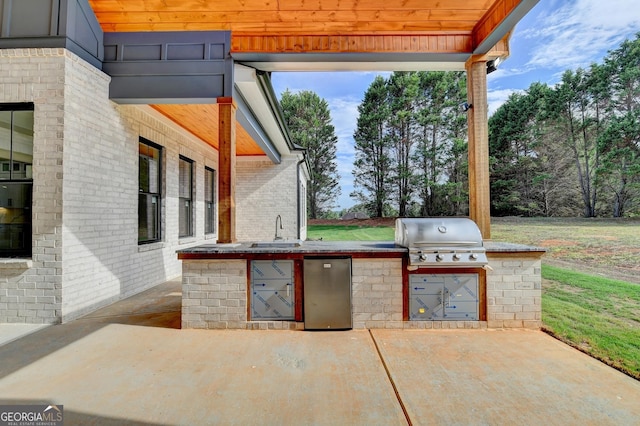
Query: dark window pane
(149,169)
(185,179)
(149,196)
(22,143)
(16,145)
(148,209)
(15,218)
(143,173)
(185,191)
(210,217)
(208,184)
(184,213)
(5,144)
(209,198)
(16,187)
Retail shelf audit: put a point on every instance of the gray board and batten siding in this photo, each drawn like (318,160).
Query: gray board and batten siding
(69,24)
(145,68)
(169,67)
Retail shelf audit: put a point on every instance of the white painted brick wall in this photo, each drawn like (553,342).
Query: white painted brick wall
(30,291)
(514,292)
(102,259)
(86,175)
(264,191)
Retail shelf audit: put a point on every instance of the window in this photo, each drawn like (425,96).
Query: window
(209,200)
(149,192)
(185,183)
(16,179)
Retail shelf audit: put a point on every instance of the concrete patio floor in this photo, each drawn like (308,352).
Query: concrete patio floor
(130,363)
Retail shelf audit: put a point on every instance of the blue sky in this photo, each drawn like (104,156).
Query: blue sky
(556,35)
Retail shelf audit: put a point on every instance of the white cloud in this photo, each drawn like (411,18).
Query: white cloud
(496,98)
(578,33)
(344,116)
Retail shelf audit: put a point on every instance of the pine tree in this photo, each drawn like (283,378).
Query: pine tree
(440,143)
(309,122)
(372,162)
(619,171)
(403,91)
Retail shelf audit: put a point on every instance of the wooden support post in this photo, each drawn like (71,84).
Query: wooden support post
(477,117)
(227,171)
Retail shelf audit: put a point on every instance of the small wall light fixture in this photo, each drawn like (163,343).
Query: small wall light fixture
(465,106)
(493,65)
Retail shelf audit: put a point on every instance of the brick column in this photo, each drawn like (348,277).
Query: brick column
(477,116)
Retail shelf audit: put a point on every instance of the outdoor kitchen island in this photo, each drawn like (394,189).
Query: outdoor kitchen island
(223,285)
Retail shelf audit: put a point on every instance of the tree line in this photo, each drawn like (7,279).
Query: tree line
(574,148)
(410,144)
(564,150)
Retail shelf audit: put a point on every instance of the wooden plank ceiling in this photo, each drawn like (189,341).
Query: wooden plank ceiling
(309,26)
(202,121)
(292,16)
(317,25)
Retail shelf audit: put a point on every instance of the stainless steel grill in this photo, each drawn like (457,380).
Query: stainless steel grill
(441,242)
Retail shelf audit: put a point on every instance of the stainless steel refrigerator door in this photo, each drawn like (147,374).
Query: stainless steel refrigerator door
(327,294)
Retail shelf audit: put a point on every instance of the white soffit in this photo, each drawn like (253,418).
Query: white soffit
(246,82)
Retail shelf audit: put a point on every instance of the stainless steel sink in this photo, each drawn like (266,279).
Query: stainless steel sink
(277,244)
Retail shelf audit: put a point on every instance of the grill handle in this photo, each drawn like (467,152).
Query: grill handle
(446,243)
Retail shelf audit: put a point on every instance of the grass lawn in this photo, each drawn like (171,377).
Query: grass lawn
(350,233)
(597,315)
(590,311)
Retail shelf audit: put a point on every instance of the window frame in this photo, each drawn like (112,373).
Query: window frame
(27,247)
(189,213)
(158,215)
(210,222)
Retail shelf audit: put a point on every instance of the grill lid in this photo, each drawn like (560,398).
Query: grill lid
(437,232)
(441,242)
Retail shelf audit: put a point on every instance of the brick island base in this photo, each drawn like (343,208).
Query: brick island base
(215,293)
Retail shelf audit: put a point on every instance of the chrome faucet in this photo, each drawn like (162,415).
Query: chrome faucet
(277,237)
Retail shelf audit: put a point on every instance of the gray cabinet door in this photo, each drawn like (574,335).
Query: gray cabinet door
(272,290)
(443,297)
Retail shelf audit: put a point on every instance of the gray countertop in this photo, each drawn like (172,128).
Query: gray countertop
(377,248)
(502,247)
(304,248)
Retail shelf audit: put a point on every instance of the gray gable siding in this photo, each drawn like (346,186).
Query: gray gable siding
(69,24)
(169,67)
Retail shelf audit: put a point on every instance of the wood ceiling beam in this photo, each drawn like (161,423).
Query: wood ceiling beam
(497,22)
(217,17)
(454,43)
(294,27)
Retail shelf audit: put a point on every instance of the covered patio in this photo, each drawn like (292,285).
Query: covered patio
(294,35)
(163,375)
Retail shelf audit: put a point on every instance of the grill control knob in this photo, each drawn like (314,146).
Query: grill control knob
(439,257)
(423,257)
(456,256)
(473,256)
